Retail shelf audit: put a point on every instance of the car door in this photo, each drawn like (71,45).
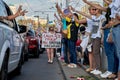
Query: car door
(15,42)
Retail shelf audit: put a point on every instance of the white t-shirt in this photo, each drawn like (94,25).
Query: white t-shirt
(115,8)
(89,25)
(97,24)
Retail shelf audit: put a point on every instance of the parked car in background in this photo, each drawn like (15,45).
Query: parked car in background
(41,49)
(32,41)
(11,45)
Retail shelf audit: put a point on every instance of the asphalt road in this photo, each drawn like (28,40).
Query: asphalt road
(39,69)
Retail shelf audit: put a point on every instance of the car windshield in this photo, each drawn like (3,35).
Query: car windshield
(31,33)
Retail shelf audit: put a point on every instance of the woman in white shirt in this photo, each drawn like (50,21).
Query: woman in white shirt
(96,36)
(88,32)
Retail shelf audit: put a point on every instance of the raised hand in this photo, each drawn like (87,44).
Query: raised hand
(55,14)
(85,1)
(56,5)
(19,9)
(22,13)
(73,9)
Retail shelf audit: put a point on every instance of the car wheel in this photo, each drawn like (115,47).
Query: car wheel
(26,55)
(4,69)
(37,53)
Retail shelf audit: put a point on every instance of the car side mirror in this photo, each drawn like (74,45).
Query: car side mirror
(22,28)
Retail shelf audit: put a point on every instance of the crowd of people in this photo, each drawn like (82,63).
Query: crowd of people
(96,29)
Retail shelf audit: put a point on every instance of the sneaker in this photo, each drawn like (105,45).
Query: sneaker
(106,74)
(97,72)
(93,71)
(72,65)
(116,79)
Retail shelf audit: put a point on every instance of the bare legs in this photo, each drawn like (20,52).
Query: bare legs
(50,54)
(91,60)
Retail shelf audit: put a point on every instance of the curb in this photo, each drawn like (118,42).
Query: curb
(63,73)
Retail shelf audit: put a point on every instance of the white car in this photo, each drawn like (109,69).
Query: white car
(11,44)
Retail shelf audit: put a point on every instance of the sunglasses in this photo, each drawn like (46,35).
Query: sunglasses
(94,9)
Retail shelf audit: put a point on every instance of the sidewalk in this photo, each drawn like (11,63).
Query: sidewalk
(74,73)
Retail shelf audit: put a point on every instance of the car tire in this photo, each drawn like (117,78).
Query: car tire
(26,56)
(37,53)
(4,69)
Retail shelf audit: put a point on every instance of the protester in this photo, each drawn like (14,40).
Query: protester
(64,30)
(71,35)
(112,20)
(115,6)
(50,51)
(96,39)
(109,47)
(88,33)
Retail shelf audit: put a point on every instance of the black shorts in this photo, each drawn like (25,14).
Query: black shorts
(79,49)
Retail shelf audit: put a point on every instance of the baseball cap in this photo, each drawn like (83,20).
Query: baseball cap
(66,11)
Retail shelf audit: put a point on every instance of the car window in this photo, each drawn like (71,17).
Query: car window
(7,11)
(3,11)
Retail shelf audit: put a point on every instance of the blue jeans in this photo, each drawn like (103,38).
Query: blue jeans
(116,39)
(72,50)
(110,51)
(65,45)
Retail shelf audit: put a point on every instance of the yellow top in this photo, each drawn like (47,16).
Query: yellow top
(68,27)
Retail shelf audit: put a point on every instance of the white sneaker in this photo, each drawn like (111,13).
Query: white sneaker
(106,74)
(97,72)
(116,79)
(93,71)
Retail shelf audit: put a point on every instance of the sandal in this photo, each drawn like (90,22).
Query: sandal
(112,76)
(48,61)
(51,61)
(89,69)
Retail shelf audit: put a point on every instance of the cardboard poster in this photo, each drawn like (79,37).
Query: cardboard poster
(51,41)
